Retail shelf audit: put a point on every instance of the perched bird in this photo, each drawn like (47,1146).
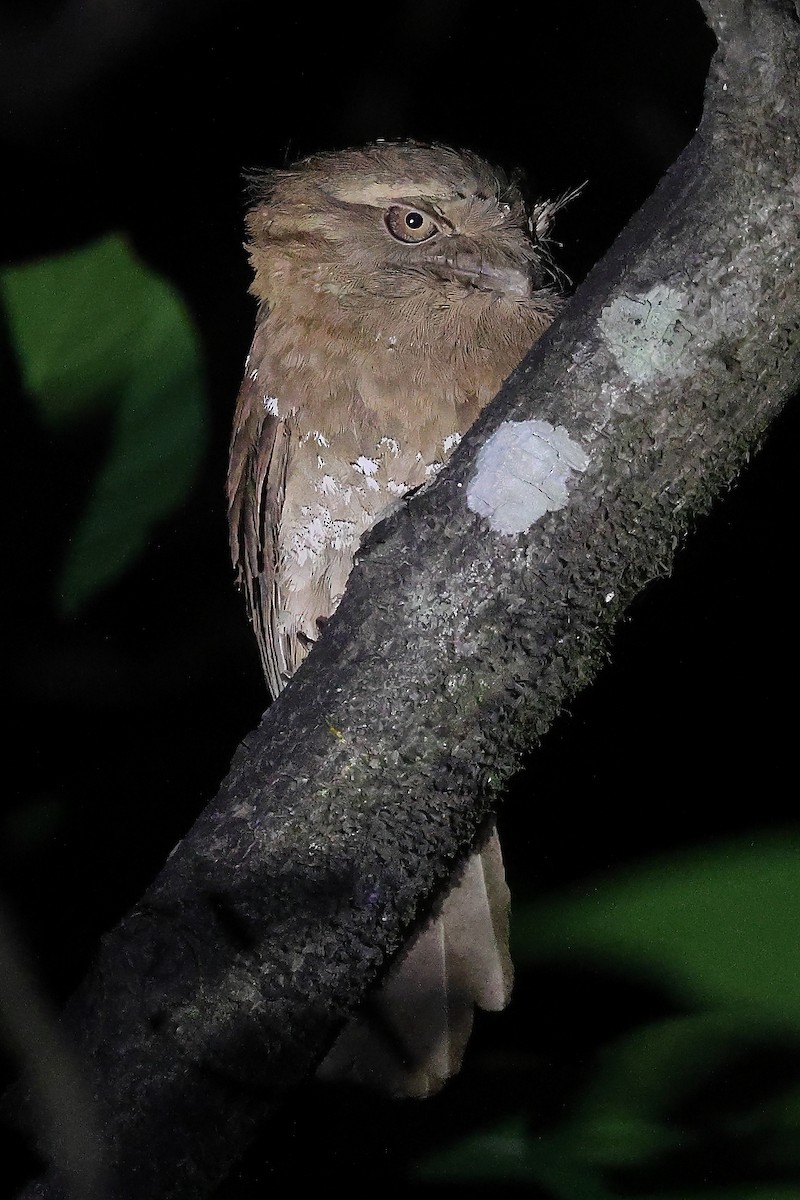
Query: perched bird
(397,286)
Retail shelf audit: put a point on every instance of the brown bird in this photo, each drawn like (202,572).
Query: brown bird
(398,285)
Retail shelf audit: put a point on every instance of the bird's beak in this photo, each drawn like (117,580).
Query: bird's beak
(469,267)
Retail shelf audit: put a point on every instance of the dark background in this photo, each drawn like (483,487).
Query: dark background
(123,718)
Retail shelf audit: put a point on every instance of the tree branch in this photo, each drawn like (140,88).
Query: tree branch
(477,610)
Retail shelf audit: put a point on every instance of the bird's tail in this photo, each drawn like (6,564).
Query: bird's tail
(413,1036)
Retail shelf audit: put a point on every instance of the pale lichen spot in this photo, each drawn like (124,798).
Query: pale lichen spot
(649,334)
(523,471)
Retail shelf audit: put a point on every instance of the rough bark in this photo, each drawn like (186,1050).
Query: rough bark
(457,644)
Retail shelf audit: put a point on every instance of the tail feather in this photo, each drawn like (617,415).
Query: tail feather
(412,1037)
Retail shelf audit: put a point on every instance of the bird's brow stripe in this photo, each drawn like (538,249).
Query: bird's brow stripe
(380,193)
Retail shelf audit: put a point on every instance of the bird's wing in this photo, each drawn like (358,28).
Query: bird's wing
(256,485)
(413,1034)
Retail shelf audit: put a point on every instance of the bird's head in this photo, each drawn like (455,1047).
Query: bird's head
(426,227)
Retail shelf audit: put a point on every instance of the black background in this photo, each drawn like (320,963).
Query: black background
(123,718)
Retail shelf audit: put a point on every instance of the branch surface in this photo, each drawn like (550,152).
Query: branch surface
(475,613)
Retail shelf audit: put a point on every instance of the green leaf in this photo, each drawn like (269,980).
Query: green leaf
(689,1082)
(94,330)
(717,927)
(510,1153)
(672,1109)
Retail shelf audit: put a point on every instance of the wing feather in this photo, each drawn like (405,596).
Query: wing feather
(256,488)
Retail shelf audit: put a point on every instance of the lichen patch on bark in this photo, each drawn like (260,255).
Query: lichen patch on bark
(522,472)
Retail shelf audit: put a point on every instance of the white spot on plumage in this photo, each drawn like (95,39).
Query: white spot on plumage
(319,534)
(318,437)
(340,489)
(451,441)
(391,444)
(432,468)
(329,485)
(320,462)
(254,374)
(271,405)
(396,489)
(367,466)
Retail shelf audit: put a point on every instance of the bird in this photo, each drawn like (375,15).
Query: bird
(398,285)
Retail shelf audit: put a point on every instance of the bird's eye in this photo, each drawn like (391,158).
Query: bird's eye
(409,224)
